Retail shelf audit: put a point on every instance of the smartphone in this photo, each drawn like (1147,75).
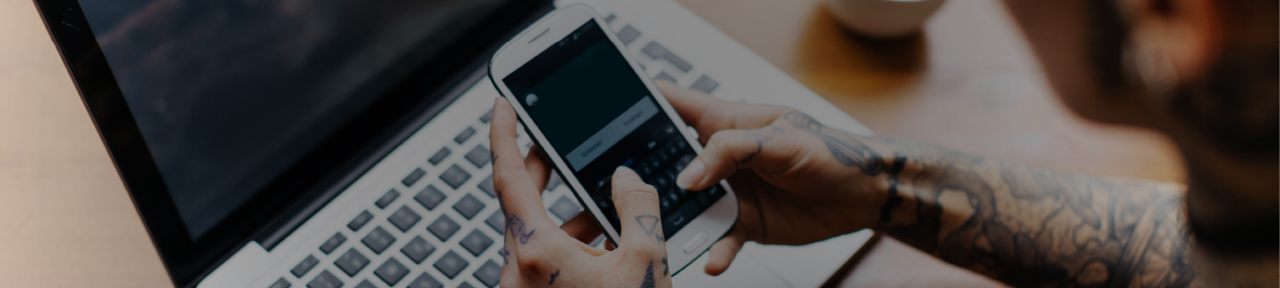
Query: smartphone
(586,102)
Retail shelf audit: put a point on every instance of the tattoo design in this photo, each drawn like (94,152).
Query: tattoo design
(665,267)
(844,147)
(1022,226)
(761,135)
(516,225)
(553,277)
(648,277)
(504,254)
(649,224)
(894,200)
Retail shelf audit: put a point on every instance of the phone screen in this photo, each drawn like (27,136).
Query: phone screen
(598,115)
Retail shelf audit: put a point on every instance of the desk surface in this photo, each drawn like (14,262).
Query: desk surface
(969,83)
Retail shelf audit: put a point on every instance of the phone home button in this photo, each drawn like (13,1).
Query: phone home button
(694,243)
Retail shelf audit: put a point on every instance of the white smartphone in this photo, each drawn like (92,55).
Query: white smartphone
(585,101)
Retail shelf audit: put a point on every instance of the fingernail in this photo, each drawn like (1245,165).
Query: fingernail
(691,174)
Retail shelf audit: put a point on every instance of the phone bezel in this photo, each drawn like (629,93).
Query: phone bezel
(715,221)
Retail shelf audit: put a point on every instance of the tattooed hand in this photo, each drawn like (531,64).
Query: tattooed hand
(799,181)
(795,185)
(537,254)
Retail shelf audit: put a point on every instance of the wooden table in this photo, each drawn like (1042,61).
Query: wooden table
(969,83)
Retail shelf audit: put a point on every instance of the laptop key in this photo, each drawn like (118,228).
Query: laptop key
(476,242)
(417,249)
(430,197)
(565,208)
(609,19)
(413,177)
(488,116)
(332,243)
(443,228)
(439,156)
(656,51)
(466,134)
(325,280)
(628,34)
(366,284)
(486,185)
(392,194)
(378,240)
(489,273)
(360,220)
(351,262)
(391,272)
(496,221)
(478,156)
(404,218)
(450,264)
(468,206)
(455,176)
(305,266)
(280,283)
(465,285)
(425,281)
(704,84)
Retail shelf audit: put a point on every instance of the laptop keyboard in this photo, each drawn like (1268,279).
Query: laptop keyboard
(445,231)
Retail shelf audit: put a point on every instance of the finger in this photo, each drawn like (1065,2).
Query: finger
(708,114)
(521,201)
(730,150)
(536,163)
(692,106)
(637,204)
(583,227)
(723,252)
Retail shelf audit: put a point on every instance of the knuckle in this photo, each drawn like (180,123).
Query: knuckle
(720,137)
(650,251)
(533,262)
(725,141)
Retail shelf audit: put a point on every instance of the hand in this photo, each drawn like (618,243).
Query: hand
(537,254)
(797,181)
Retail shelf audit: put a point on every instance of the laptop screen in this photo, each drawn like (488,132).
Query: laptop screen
(229,94)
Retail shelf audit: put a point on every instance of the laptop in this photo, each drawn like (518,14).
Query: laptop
(343,143)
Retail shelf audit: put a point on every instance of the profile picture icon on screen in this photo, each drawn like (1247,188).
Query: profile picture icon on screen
(530,99)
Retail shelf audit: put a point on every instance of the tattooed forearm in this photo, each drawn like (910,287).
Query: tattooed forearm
(1023,226)
(893,200)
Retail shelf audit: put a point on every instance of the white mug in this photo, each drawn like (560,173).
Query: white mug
(883,18)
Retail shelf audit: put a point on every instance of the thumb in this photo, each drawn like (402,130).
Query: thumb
(730,150)
(723,252)
(637,204)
